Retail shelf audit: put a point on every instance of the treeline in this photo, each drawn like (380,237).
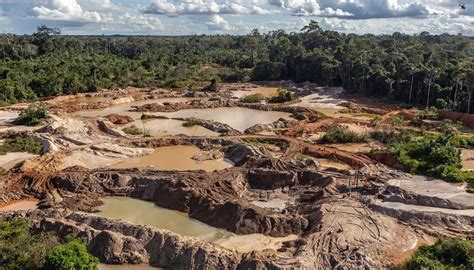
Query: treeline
(424,69)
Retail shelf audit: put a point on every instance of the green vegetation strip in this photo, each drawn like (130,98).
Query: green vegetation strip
(446,254)
(32,116)
(19,249)
(340,135)
(422,69)
(21,143)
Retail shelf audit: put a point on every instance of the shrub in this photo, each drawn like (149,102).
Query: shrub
(21,250)
(341,135)
(429,113)
(133,130)
(20,143)
(434,156)
(72,255)
(254,98)
(397,121)
(32,116)
(391,137)
(282,97)
(444,254)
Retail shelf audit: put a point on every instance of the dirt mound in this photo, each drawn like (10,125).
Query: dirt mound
(119,119)
(465,118)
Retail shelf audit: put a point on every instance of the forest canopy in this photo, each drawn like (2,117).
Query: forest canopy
(423,69)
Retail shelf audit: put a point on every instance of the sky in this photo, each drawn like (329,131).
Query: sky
(185,17)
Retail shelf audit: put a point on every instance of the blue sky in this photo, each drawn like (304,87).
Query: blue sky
(182,17)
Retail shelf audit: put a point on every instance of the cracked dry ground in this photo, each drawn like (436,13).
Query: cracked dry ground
(331,219)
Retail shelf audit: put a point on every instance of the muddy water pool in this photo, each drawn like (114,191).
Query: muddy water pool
(236,117)
(170,127)
(266,92)
(177,157)
(147,213)
(124,108)
(19,205)
(82,100)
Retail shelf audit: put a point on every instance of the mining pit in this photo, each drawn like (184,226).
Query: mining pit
(244,187)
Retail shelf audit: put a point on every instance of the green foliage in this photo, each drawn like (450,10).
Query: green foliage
(466,141)
(391,137)
(398,66)
(32,116)
(397,121)
(429,113)
(19,249)
(340,135)
(438,156)
(21,143)
(2,170)
(254,98)
(133,130)
(282,97)
(72,255)
(445,254)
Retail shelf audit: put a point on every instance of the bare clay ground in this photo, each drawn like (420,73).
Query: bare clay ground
(334,206)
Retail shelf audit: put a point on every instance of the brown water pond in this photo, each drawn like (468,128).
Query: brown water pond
(146,213)
(170,127)
(29,204)
(84,100)
(177,157)
(124,108)
(236,117)
(266,92)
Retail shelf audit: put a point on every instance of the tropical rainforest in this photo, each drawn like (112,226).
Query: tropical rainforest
(419,70)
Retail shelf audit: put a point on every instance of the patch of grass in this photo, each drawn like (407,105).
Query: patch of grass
(445,254)
(254,98)
(282,97)
(2,170)
(391,137)
(189,123)
(340,135)
(22,143)
(133,130)
(397,121)
(466,141)
(32,116)
(430,113)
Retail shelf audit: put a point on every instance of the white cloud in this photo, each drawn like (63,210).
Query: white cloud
(64,10)
(205,7)
(217,23)
(235,16)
